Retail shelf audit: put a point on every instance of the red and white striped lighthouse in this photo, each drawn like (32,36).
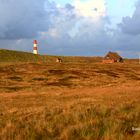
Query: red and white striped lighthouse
(35,47)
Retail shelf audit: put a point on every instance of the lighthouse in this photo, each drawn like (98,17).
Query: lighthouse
(35,47)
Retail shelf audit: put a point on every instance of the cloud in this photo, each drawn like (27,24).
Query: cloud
(22,19)
(127,36)
(90,8)
(130,25)
(73,34)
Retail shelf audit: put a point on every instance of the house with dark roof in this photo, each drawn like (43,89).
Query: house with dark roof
(112,57)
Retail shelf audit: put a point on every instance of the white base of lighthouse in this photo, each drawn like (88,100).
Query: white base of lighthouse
(35,52)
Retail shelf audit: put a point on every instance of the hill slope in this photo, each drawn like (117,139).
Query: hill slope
(17,56)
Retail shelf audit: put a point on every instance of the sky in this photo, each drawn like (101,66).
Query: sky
(71,27)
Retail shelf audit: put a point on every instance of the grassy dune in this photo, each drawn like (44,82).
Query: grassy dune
(79,99)
(11,56)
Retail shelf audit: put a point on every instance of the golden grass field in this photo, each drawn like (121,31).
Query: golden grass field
(81,100)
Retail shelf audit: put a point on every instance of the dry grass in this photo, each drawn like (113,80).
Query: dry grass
(69,101)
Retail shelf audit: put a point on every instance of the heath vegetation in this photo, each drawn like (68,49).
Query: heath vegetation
(79,99)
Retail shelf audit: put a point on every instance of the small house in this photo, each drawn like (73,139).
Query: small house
(58,60)
(112,57)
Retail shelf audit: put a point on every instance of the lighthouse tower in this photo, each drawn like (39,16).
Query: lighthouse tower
(35,47)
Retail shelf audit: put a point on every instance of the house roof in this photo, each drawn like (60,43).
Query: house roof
(112,55)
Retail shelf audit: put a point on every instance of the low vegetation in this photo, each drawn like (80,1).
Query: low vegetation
(75,100)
